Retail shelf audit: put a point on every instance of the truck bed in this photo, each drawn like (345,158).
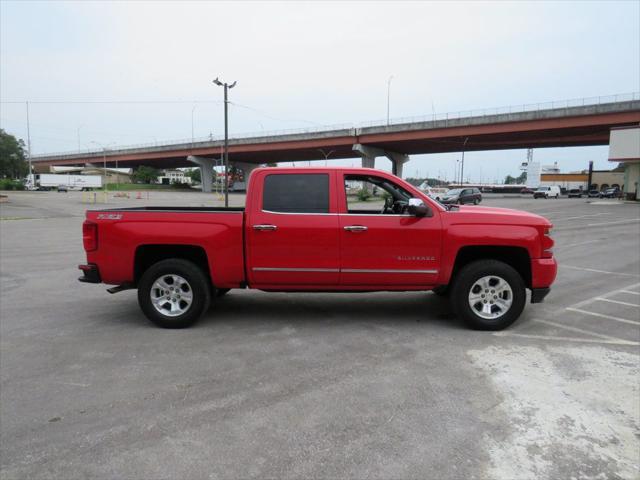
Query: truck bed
(123,233)
(173,209)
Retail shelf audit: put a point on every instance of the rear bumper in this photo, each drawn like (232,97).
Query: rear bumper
(90,272)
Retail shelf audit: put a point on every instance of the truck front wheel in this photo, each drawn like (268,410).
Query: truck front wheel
(174,293)
(488,295)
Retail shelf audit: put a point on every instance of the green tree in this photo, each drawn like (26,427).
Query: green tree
(12,157)
(194,175)
(144,174)
(509,180)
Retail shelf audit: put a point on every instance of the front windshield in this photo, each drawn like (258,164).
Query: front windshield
(455,191)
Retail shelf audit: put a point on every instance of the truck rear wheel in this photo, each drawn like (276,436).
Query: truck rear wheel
(488,295)
(174,293)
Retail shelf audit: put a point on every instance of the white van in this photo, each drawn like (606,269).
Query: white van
(547,192)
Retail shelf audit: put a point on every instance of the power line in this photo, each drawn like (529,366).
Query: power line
(273,118)
(84,102)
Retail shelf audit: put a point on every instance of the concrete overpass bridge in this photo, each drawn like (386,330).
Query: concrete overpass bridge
(558,124)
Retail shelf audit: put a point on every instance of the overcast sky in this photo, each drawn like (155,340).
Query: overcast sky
(301,65)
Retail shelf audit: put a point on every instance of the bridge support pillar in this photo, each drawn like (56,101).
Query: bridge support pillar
(369,155)
(397,162)
(206,171)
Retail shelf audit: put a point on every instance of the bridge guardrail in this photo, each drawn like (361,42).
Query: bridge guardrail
(474,113)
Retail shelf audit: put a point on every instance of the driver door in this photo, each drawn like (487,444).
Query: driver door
(384,247)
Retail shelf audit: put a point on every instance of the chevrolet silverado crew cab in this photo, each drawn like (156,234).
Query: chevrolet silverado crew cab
(310,229)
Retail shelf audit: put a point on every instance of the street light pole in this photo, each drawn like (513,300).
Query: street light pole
(462,166)
(226,138)
(78,131)
(104,161)
(192,110)
(29,142)
(388,96)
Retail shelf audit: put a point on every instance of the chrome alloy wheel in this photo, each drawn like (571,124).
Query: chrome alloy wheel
(171,295)
(490,297)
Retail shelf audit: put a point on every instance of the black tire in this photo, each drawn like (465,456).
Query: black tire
(221,291)
(465,280)
(476,201)
(197,281)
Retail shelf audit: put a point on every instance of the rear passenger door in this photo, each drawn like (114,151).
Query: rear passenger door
(292,231)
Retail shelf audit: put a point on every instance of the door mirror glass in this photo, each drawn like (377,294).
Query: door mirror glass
(417,207)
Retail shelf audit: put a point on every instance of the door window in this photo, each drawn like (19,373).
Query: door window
(374,195)
(296,193)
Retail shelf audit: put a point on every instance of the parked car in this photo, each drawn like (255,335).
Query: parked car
(593,194)
(611,193)
(63,188)
(462,196)
(436,193)
(575,193)
(526,190)
(547,192)
(299,232)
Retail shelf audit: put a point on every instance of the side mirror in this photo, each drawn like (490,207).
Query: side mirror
(417,208)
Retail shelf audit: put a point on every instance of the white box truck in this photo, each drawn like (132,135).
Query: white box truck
(63,181)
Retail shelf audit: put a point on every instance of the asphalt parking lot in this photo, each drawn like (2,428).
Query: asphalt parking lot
(385,385)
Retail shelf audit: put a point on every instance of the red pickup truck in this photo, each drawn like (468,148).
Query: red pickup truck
(325,230)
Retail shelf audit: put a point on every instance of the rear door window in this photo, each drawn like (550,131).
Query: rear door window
(296,193)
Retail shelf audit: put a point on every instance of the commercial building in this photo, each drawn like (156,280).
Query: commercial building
(109,175)
(624,148)
(600,179)
(171,176)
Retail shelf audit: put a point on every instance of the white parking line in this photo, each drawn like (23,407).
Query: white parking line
(578,330)
(577,244)
(606,295)
(602,315)
(617,301)
(613,223)
(600,271)
(581,216)
(629,291)
(567,339)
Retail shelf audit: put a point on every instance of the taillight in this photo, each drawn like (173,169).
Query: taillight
(547,244)
(89,236)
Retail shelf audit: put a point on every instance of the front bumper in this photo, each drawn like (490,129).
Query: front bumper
(543,274)
(538,294)
(90,272)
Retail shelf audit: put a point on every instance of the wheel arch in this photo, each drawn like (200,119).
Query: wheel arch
(516,257)
(147,255)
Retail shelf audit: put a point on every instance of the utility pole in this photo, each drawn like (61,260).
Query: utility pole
(462,166)
(78,131)
(104,161)
(226,138)
(192,110)
(388,96)
(29,142)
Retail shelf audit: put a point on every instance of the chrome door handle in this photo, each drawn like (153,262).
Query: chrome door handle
(265,227)
(355,228)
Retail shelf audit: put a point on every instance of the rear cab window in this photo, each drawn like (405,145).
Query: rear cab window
(296,193)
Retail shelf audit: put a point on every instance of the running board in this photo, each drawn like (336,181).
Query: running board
(120,288)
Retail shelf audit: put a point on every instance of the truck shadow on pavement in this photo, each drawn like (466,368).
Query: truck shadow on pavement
(381,308)
(248,308)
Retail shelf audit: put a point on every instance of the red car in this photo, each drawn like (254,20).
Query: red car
(303,229)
